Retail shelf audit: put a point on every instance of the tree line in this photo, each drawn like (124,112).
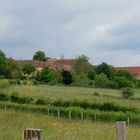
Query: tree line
(82,73)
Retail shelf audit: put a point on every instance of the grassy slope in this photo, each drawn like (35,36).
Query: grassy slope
(13,123)
(55,92)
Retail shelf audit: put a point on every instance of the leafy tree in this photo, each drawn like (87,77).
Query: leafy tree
(82,65)
(5,69)
(28,69)
(46,75)
(101,81)
(91,74)
(128,92)
(67,77)
(123,82)
(40,56)
(106,69)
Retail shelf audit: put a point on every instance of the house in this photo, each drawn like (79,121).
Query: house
(54,63)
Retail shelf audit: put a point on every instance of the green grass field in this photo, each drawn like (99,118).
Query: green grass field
(12,123)
(81,93)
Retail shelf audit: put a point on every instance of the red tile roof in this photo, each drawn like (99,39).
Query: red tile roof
(134,70)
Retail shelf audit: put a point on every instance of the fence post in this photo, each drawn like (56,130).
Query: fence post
(128,121)
(82,115)
(121,132)
(70,115)
(5,107)
(48,111)
(58,113)
(95,117)
(31,134)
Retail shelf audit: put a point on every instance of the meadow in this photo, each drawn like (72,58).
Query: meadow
(80,93)
(14,122)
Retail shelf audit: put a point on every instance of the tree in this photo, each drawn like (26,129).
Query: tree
(106,69)
(101,81)
(28,69)
(5,69)
(127,92)
(46,75)
(40,56)
(67,77)
(82,64)
(91,74)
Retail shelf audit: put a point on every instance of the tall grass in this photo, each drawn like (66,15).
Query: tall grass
(14,122)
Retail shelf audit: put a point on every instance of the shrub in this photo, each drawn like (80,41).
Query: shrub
(96,94)
(4,83)
(123,82)
(40,102)
(12,82)
(101,81)
(35,82)
(127,92)
(14,97)
(25,100)
(4,97)
(112,85)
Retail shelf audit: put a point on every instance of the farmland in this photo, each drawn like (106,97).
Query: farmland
(13,123)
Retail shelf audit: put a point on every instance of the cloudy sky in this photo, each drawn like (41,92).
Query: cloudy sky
(104,30)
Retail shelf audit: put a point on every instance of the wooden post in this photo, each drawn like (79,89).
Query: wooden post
(58,113)
(48,111)
(121,132)
(128,121)
(70,115)
(95,117)
(82,115)
(5,107)
(31,134)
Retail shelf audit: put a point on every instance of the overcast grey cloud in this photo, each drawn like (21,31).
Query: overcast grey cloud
(104,30)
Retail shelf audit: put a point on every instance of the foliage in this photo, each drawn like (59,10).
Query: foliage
(101,81)
(106,69)
(14,97)
(40,56)
(4,97)
(46,75)
(28,69)
(91,74)
(123,82)
(112,84)
(66,77)
(124,73)
(128,92)
(4,83)
(82,65)
(40,102)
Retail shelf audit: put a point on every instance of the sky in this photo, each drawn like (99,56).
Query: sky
(104,30)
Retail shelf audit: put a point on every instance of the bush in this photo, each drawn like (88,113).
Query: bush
(101,81)
(127,92)
(14,97)
(35,82)
(4,83)
(96,94)
(12,82)
(123,82)
(40,102)
(112,85)
(25,100)
(4,97)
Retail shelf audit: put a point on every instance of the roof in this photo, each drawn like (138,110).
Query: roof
(134,70)
(53,63)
